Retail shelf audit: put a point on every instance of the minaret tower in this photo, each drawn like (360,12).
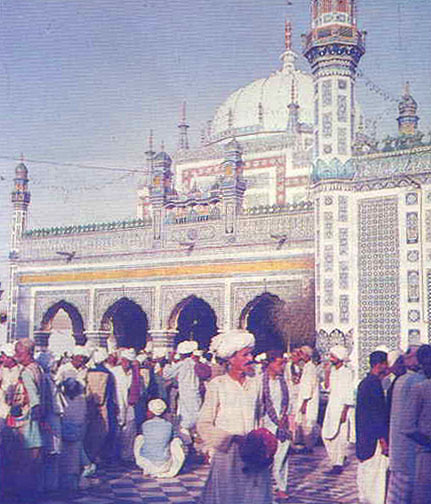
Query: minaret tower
(20,199)
(183,127)
(144,204)
(289,56)
(333,47)
(408,119)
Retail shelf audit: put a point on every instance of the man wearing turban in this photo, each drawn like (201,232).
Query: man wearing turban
(189,398)
(339,383)
(231,410)
(127,387)
(158,451)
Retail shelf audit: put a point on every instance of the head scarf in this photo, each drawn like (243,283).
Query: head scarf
(225,345)
(186,347)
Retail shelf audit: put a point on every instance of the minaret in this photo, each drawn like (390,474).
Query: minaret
(20,198)
(183,127)
(333,47)
(160,189)
(144,204)
(407,120)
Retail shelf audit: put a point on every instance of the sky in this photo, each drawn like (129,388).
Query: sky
(83,82)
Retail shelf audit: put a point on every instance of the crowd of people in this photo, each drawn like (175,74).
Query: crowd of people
(65,417)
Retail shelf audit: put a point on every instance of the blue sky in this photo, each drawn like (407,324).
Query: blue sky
(84,81)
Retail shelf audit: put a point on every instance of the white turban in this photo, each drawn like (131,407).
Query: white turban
(228,343)
(100,355)
(157,406)
(128,353)
(198,353)
(260,357)
(81,350)
(393,356)
(8,349)
(142,357)
(159,353)
(340,352)
(382,348)
(186,347)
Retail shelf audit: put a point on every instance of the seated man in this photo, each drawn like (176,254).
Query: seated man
(158,452)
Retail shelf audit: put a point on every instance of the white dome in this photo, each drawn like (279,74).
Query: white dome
(262,105)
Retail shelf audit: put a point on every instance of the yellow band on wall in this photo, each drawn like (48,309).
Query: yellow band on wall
(171,271)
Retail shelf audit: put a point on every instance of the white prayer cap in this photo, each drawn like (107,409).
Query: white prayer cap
(81,350)
(260,357)
(198,353)
(100,355)
(157,406)
(382,348)
(142,357)
(159,353)
(393,356)
(186,347)
(340,352)
(128,353)
(8,349)
(228,343)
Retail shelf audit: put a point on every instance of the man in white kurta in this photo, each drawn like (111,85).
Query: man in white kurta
(339,383)
(189,398)
(231,410)
(126,426)
(275,397)
(308,399)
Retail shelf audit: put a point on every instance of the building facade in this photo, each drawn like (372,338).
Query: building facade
(287,207)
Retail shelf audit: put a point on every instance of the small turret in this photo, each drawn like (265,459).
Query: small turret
(20,198)
(407,120)
(183,142)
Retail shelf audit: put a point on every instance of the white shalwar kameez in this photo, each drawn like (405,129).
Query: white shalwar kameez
(334,433)
(232,409)
(280,467)
(308,390)
(189,398)
(126,432)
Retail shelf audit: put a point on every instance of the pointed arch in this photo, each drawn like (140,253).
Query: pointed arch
(75,316)
(128,323)
(193,318)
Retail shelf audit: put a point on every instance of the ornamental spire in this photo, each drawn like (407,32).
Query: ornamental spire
(183,142)
(289,56)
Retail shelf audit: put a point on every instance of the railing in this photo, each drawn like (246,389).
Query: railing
(87,228)
(277,209)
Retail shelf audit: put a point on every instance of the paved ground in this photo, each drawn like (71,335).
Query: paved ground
(308,485)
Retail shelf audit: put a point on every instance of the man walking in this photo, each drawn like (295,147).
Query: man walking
(372,431)
(339,383)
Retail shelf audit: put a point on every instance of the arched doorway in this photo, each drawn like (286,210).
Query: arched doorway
(194,319)
(65,323)
(128,324)
(277,324)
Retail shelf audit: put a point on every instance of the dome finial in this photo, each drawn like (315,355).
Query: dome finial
(289,56)
(288,35)
(21,158)
(162,146)
(183,141)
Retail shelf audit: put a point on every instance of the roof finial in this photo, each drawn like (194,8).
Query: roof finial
(183,127)
(183,112)
(407,88)
(22,157)
(288,35)
(151,140)
(162,146)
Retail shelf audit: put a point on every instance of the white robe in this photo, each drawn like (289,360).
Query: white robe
(126,414)
(280,467)
(231,408)
(308,390)
(189,398)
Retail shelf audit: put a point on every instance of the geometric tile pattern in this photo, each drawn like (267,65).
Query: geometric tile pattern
(308,484)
